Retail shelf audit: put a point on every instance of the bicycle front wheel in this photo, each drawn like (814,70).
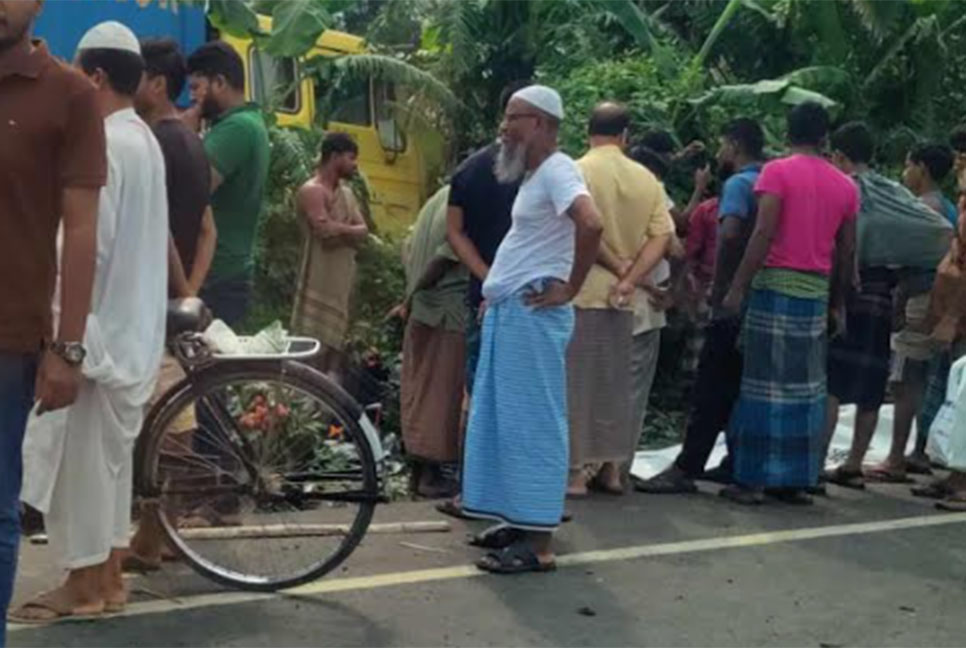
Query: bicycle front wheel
(262,475)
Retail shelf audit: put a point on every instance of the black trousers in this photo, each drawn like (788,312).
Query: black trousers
(716,389)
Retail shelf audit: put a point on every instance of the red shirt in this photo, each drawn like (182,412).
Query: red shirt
(702,236)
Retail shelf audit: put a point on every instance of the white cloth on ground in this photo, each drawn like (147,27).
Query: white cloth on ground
(540,243)
(77,461)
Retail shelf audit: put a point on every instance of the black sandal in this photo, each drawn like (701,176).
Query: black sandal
(499,537)
(936,490)
(666,483)
(452,509)
(839,476)
(743,496)
(518,558)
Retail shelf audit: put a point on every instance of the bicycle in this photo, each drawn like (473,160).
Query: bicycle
(264,473)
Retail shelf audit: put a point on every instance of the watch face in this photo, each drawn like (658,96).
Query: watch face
(74,354)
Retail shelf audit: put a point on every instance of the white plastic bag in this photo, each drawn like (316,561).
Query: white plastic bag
(947,435)
(221,339)
(271,340)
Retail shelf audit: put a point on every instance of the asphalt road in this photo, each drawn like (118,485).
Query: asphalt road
(872,568)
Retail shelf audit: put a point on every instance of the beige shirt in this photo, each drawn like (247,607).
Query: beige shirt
(633,209)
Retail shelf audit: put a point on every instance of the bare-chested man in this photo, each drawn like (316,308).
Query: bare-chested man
(335,229)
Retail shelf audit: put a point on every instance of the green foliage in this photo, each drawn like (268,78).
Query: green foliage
(634,80)
(233,17)
(296,26)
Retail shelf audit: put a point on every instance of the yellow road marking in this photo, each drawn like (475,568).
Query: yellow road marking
(571,560)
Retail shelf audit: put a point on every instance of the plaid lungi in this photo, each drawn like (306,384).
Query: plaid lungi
(779,420)
(858,362)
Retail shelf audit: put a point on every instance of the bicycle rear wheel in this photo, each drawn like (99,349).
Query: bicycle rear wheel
(262,475)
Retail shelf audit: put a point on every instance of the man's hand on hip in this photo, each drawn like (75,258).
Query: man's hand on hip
(555,293)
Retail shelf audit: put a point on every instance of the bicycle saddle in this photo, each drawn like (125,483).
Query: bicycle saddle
(187,315)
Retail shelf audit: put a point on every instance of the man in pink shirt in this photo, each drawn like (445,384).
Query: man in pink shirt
(805,227)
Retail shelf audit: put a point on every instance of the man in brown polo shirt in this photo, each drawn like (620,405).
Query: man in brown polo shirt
(52,165)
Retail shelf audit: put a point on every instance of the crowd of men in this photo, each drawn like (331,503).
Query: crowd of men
(536,290)
(558,273)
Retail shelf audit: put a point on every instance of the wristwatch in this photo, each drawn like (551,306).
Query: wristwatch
(73,353)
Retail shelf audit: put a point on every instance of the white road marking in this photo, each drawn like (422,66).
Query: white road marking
(571,560)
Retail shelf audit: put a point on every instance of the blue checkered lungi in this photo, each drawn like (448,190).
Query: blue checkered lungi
(778,424)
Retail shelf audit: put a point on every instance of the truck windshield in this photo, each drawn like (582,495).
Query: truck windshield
(274,81)
(350,101)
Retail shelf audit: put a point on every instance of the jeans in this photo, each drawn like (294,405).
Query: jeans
(17,375)
(715,391)
(228,298)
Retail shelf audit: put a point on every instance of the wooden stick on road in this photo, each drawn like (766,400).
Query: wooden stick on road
(306,530)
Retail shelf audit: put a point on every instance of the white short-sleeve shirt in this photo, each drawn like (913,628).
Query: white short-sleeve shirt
(540,243)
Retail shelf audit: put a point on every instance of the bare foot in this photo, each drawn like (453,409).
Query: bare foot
(609,479)
(113,589)
(577,484)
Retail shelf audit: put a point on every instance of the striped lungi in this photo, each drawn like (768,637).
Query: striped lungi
(779,420)
(858,362)
(516,453)
(599,387)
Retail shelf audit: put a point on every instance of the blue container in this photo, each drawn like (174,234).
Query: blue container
(62,23)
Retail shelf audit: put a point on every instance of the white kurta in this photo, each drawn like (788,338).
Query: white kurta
(78,461)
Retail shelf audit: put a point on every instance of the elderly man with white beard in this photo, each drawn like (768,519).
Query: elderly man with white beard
(517,440)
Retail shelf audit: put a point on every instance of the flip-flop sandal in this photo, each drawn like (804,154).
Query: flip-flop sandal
(935,490)
(665,484)
(879,476)
(496,538)
(206,517)
(62,612)
(853,479)
(914,467)
(518,558)
(452,509)
(742,496)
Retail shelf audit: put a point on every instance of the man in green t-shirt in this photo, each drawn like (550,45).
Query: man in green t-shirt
(238,149)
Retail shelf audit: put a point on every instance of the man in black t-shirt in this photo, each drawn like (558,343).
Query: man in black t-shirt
(478,218)
(192,243)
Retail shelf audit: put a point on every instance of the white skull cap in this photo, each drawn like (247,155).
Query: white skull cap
(110,35)
(545,98)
